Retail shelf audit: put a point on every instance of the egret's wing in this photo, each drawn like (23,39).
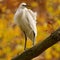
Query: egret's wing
(31,21)
(33,14)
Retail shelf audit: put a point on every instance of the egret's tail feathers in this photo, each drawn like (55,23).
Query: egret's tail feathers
(32,36)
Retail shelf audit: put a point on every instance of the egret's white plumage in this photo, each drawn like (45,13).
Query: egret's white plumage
(26,20)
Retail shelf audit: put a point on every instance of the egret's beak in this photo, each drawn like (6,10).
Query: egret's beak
(28,6)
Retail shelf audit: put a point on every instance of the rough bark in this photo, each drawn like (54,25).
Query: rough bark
(40,47)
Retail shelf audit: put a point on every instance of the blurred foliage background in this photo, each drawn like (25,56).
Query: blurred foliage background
(11,37)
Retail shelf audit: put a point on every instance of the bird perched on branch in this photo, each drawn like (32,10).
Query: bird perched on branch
(26,19)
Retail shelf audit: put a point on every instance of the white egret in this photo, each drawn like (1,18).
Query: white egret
(26,19)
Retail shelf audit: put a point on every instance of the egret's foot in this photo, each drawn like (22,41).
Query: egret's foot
(25,49)
(33,44)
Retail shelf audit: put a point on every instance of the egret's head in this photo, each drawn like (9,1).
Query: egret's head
(23,5)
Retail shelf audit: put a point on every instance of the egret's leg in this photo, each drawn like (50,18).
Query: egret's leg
(25,42)
(33,42)
(33,38)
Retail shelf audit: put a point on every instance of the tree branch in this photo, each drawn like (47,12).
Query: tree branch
(39,48)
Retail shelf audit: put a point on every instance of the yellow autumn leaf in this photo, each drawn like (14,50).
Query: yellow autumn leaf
(34,4)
